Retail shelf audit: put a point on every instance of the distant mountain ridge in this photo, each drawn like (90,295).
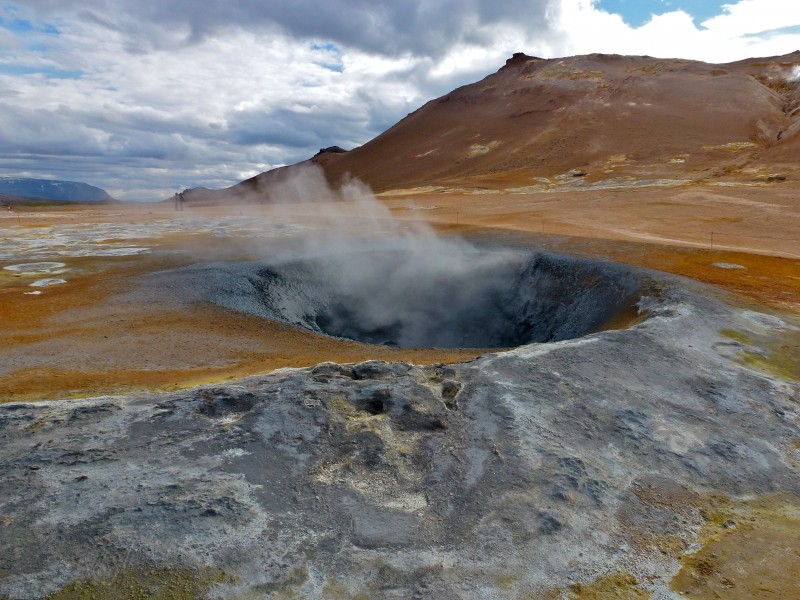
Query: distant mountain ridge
(582,121)
(52,190)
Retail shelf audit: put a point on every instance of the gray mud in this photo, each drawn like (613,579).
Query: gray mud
(503,477)
(461,298)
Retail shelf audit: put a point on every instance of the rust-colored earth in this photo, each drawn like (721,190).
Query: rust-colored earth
(84,337)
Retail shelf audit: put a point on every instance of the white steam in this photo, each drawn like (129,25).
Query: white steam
(351,219)
(355,272)
(304,190)
(388,272)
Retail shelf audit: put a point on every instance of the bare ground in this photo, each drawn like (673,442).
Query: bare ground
(85,337)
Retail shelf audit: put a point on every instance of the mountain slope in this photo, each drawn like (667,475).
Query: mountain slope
(52,190)
(598,116)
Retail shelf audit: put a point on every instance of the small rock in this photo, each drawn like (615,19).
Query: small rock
(729,524)
(549,524)
(770,178)
(450,389)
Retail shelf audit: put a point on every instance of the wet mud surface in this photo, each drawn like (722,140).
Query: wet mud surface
(485,299)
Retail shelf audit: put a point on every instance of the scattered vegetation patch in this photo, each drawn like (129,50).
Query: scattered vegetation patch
(732,146)
(505,582)
(753,553)
(737,336)
(336,591)
(156,583)
(778,355)
(650,68)
(620,586)
(564,72)
(780,360)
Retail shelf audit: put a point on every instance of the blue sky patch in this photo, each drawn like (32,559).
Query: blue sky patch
(329,49)
(335,67)
(17,25)
(48,72)
(326,47)
(638,12)
(791,30)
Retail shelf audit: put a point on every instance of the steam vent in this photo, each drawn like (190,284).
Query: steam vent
(467,299)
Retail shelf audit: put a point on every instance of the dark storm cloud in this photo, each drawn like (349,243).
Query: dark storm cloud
(389,27)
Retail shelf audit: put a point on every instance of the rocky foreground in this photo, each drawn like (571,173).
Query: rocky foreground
(630,462)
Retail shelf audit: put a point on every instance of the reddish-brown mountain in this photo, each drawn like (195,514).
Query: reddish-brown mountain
(598,116)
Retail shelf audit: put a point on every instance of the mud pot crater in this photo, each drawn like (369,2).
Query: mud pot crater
(455,298)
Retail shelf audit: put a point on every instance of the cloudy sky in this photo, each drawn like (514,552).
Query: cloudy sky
(146,97)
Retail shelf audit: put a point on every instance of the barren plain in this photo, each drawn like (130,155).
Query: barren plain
(743,239)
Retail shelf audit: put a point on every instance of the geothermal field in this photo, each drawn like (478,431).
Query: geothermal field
(540,355)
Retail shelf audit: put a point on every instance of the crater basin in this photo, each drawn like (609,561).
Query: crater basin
(467,299)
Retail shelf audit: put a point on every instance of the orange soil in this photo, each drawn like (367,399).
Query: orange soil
(74,340)
(80,338)
(669,229)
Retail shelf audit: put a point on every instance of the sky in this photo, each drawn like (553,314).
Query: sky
(149,97)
